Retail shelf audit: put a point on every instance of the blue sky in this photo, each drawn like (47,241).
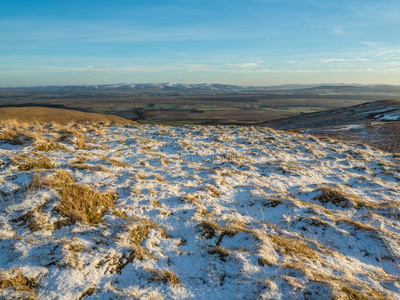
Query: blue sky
(245,42)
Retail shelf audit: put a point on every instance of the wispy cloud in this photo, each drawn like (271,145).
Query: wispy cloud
(245,65)
(334,60)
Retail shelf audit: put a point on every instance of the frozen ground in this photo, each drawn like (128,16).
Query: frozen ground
(201,213)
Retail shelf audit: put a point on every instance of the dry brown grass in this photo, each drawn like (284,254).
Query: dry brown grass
(120,214)
(192,198)
(352,294)
(164,276)
(35,220)
(80,163)
(26,163)
(138,232)
(49,115)
(340,198)
(293,247)
(15,136)
(47,145)
(214,192)
(220,251)
(79,203)
(17,281)
(118,163)
(81,144)
(208,230)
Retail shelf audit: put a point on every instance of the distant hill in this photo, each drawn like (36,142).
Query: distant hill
(57,115)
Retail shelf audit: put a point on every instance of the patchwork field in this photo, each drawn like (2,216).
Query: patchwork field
(194,212)
(175,109)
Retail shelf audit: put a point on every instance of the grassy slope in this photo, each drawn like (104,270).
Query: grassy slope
(195,212)
(56,115)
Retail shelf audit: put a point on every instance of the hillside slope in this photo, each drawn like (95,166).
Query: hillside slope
(376,124)
(56,115)
(153,212)
(385,110)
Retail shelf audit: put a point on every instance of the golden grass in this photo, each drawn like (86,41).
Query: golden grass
(118,163)
(120,214)
(9,135)
(47,115)
(164,276)
(47,145)
(79,203)
(220,251)
(35,220)
(341,198)
(293,247)
(26,163)
(15,136)
(17,282)
(352,294)
(138,232)
(208,230)
(80,163)
(214,192)
(192,198)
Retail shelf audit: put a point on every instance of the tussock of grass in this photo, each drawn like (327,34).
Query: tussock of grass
(191,198)
(262,261)
(34,219)
(79,203)
(118,163)
(352,294)
(213,191)
(13,137)
(120,214)
(340,198)
(81,144)
(17,281)
(87,293)
(164,276)
(293,247)
(72,250)
(208,230)
(220,251)
(138,232)
(80,163)
(26,163)
(47,145)
(358,225)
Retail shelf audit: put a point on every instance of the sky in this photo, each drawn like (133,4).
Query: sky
(243,42)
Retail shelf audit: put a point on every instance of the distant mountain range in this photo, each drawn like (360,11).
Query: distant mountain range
(212,88)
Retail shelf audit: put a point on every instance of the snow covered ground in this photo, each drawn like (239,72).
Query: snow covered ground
(201,213)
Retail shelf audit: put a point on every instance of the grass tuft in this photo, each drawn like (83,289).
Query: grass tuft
(26,163)
(17,282)
(79,203)
(293,247)
(340,198)
(47,145)
(164,276)
(139,232)
(220,251)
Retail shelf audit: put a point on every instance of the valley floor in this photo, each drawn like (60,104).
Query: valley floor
(195,212)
